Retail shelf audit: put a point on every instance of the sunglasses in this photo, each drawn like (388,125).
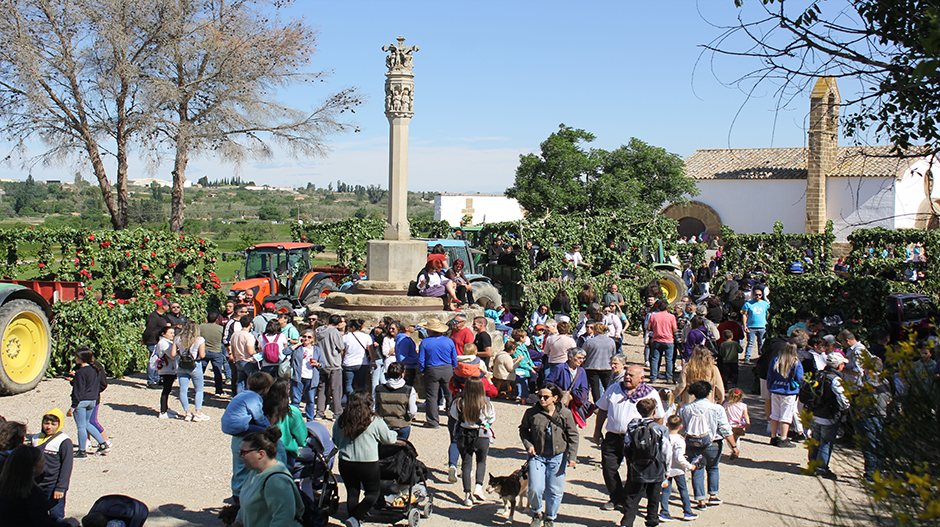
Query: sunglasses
(243,453)
(308,337)
(543,397)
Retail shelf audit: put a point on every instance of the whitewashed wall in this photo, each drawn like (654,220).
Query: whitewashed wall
(752,206)
(485,208)
(910,192)
(860,203)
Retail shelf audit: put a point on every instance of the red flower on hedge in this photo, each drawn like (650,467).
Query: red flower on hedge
(91,238)
(41,265)
(105,244)
(144,267)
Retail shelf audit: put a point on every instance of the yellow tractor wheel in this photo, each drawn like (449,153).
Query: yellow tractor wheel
(25,346)
(673,287)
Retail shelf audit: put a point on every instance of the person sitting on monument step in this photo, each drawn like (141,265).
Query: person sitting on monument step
(433,283)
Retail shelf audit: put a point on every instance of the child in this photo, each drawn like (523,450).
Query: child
(646,468)
(468,364)
(243,415)
(57,451)
(524,369)
(668,397)
(736,410)
(729,351)
(678,466)
(86,391)
(538,337)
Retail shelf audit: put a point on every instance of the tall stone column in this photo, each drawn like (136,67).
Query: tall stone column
(397,258)
(823,150)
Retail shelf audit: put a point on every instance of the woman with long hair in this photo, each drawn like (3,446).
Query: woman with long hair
(357,433)
(475,415)
(22,502)
(269,496)
(783,382)
(550,437)
(86,390)
(191,348)
(280,412)
(561,304)
(166,366)
(696,335)
(701,367)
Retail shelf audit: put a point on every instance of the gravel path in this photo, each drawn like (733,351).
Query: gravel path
(182,470)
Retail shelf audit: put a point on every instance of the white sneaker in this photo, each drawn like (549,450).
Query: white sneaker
(478,493)
(468,501)
(164,416)
(351,522)
(452,474)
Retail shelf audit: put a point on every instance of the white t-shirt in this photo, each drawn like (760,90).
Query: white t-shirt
(388,352)
(620,411)
(574,257)
(306,369)
(193,350)
(355,354)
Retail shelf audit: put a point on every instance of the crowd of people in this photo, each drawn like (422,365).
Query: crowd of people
(567,365)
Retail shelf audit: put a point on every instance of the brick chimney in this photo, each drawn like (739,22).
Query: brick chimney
(823,145)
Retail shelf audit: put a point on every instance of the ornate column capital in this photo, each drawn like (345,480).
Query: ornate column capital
(399,80)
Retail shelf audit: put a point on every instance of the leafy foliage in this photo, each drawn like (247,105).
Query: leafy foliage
(566,178)
(872,250)
(775,252)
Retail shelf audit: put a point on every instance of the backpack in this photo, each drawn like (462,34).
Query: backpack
(271,351)
(187,361)
(812,391)
(698,434)
(647,462)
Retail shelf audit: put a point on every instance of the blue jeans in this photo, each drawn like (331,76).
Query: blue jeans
(355,377)
(404,433)
(239,471)
(220,369)
(711,455)
(870,430)
(153,378)
(683,493)
(826,435)
(56,506)
(754,336)
(198,386)
(245,369)
(547,481)
(522,387)
(378,374)
(82,415)
(305,392)
(453,455)
(658,350)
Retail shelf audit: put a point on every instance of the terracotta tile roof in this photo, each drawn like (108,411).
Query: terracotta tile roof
(790,163)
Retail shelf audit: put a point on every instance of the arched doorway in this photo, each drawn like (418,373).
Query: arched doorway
(690,226)
(696,216)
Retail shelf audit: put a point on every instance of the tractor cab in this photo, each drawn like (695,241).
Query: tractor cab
(287,262)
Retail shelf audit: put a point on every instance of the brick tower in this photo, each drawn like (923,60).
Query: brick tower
(823,144)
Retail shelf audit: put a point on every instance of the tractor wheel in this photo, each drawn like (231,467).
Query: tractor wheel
(25,347)
(283,303)
(483,291)
(320,291)
(673,287)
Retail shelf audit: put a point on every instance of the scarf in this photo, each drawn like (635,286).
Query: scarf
(641,391)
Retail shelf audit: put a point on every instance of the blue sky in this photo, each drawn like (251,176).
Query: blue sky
(494,78)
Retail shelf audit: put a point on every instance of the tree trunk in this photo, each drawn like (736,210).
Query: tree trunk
(122,138)
(117,221)
(179,177)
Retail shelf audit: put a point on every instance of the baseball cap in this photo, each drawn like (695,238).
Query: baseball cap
(161,302)
(834,359)
(269,305)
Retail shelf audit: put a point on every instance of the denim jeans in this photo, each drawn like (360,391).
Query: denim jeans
(522,387)
(305,391)
(198,386)
(56,506)
(220,369)
(710,455)
(82,415)
(683,494)
(754,336)
(245,369)
(239,471)
(404,433)
(547,482)
(153,378)
(659,350)
(870,430)
(378,374)
(453,455)
(355,377)
(826,435)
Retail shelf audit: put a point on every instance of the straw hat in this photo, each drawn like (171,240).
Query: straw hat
(436,327)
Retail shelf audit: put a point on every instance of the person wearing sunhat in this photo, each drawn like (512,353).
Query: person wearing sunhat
(437,358)
(433,283)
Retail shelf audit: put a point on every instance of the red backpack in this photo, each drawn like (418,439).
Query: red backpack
(271,351)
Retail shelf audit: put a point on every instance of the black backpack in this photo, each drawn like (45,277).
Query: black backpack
(813,390)
(647,462)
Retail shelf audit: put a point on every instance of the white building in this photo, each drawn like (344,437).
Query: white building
(483,208)
(855,187)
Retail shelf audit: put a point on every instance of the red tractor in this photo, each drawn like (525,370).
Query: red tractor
(281,273)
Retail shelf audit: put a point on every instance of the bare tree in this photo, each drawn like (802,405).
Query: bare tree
(892,50)
(69,73)
(215,84)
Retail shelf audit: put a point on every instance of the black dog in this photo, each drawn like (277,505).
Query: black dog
(510,488)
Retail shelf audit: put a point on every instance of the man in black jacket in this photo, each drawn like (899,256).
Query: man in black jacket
(156,321)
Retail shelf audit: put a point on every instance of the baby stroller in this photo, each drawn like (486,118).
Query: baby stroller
(404,491)
(123,508)
(314,472)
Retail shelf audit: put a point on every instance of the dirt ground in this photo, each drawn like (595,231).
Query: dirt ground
(181,470)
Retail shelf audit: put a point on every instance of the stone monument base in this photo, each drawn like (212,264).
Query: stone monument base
(396,261)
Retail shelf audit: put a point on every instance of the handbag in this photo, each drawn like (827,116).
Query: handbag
(284,369)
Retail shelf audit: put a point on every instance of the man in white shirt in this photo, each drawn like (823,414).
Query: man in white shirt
(617,407)
(574,258)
